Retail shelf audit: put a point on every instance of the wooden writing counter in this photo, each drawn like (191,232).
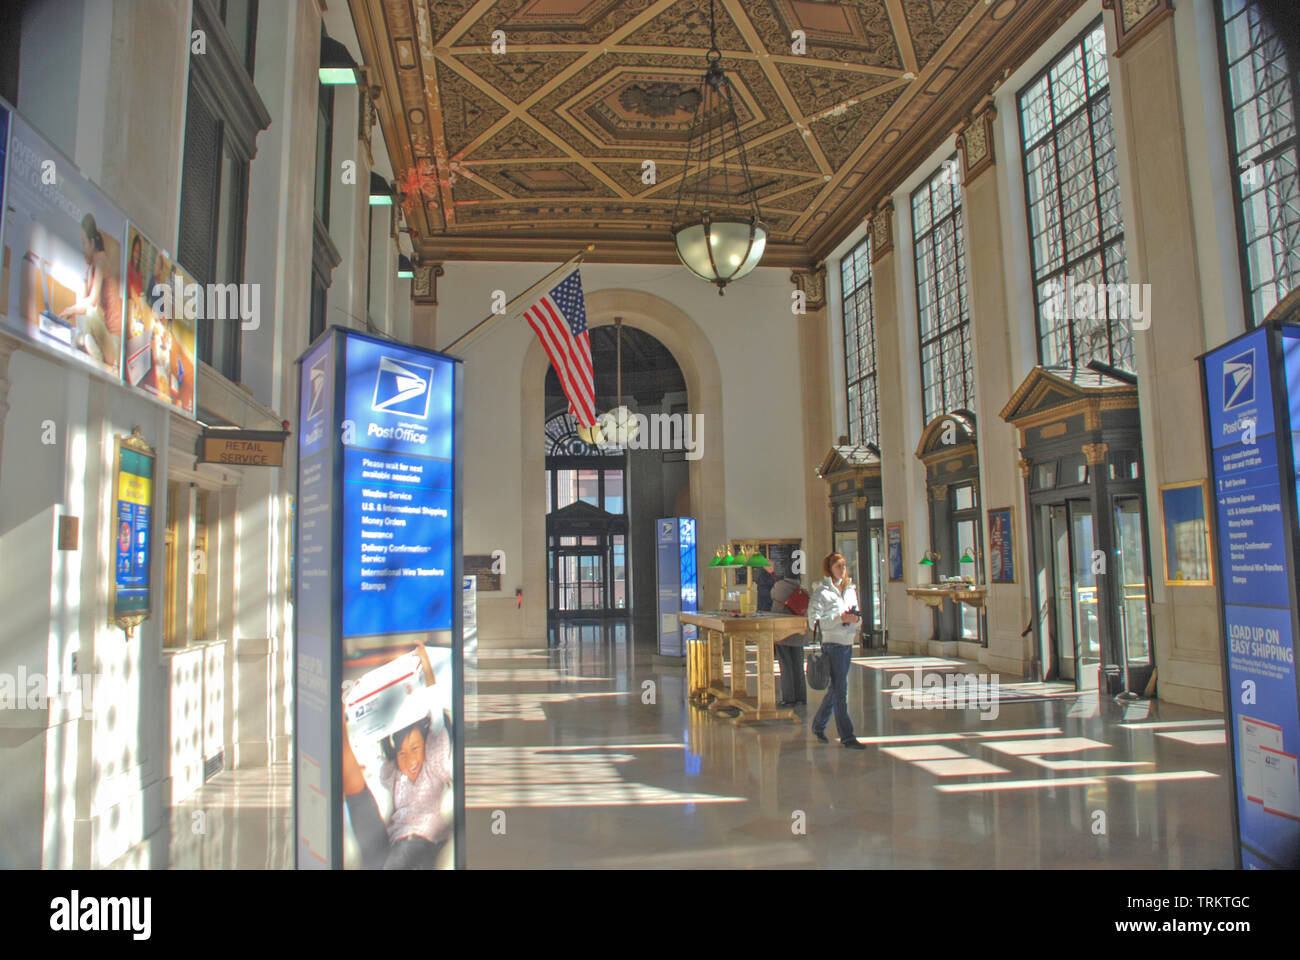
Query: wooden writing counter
(761,630)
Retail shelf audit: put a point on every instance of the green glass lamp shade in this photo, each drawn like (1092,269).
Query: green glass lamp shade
(731,561)
(757,560)
(926,561)
(716,562)
(966,557)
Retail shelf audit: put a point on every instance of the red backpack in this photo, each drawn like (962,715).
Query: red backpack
(798,602)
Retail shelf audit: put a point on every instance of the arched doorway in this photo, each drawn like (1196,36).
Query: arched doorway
(602,501)
(698,362)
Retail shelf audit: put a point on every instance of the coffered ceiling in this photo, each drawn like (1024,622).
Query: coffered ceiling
(531,152)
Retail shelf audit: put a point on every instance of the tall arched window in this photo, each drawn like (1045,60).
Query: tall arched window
(1261,89)
(860,345)
(1076,224)
(942,306)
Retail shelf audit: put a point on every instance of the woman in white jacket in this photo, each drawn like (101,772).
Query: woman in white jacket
(833,606)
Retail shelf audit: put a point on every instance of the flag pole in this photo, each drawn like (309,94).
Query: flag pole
(576,258)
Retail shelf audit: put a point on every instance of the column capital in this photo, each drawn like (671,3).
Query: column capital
(975,141)
(1096,453)
(1136,18)
(882,230)
(813,285)
(367,114)
(424,285)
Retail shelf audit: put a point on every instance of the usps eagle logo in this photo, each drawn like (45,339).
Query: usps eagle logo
(316,384)
(403,388)
(1239,380)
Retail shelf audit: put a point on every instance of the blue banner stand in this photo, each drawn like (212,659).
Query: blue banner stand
(678,583)
(1251,388)
(377,558)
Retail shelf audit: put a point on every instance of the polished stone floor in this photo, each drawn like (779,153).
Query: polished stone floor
(585,755)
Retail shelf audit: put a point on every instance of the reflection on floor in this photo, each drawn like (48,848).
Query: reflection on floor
(636,778)
(238,820)
(585,755)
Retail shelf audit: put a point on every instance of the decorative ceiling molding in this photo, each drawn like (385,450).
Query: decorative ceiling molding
(547,124)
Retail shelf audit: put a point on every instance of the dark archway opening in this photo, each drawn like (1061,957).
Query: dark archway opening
(602,502)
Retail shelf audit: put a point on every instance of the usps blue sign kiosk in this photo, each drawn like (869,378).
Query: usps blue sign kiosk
(377,583)
(678,582)
(1252,397)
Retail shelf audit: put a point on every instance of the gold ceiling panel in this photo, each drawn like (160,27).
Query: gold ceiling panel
(517,76)
(530,148)
(839,133)
(931,22)
(786,151)
(850,33)
(467,110)
(558,22)
(636,179)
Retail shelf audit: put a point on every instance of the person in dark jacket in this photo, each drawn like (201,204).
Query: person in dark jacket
(789,651)
(763,583)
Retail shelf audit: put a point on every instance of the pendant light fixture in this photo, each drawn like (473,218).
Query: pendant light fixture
(617,427)
(718,228)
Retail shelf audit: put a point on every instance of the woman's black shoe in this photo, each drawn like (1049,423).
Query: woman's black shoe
(855,745)
(820,736)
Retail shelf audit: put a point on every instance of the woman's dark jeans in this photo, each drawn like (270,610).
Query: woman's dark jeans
(840,656)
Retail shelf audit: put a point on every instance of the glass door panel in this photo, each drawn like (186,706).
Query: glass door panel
(1046,583)
(877,560)
(618,563)
(567,585)
(847,545)
(1130,554)
(968,616)
(1087,622)
(591,582)
(1062,601)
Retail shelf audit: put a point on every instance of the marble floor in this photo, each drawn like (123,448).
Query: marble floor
(585,755)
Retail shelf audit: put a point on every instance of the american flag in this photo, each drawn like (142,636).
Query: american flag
(559,318)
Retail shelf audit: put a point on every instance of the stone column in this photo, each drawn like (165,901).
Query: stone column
(1007,606)
(815,401)
(902,478)
(1161,245)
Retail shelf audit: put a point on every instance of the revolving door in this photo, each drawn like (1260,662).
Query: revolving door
(1089,562)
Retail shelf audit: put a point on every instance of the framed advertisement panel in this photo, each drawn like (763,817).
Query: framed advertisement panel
(1188,543)
(894,550)
(1002,545)
(160,317)
(62,264)
(130,598)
